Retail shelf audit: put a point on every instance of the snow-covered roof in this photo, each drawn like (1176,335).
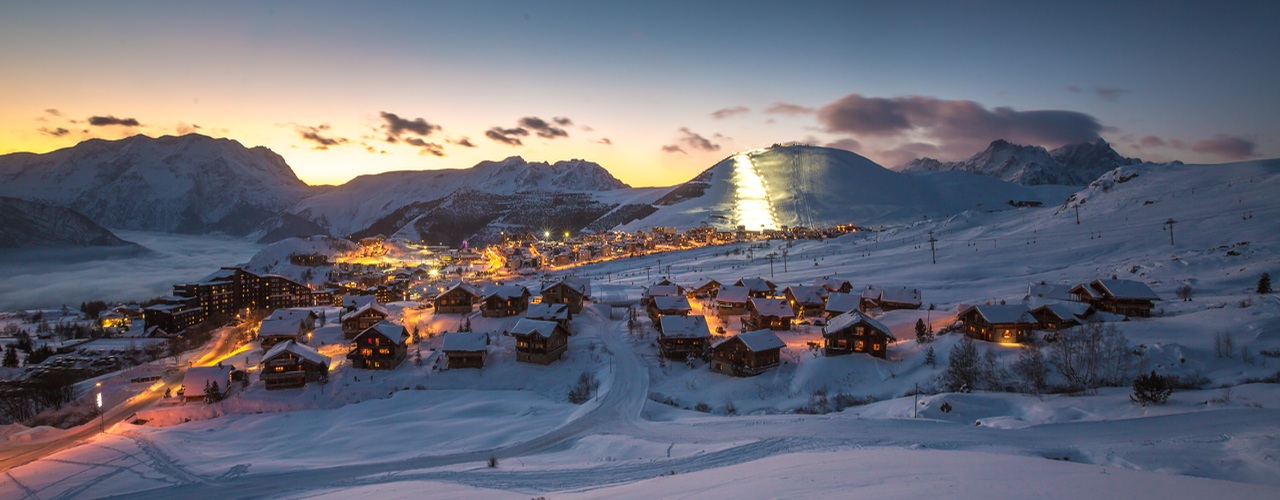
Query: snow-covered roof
(371,305)
(219,275)
(901,295)
(545,311)
(1004,313)
(1126,289)
(831,283)
(807,294)
(707,283)
(272,327)
(198,376)
(758,340)
(464,342)
(1049,291)
(733,295)
(662,291)
(1066,310)
(299,350)
(842,302)
(528,326)
(467,288)
(1087,291)
(685,327)
(295,314)
(756,284)
(854,317)
(583,286)
(505,292)
(676,302)
(392,331)
(773,307)
(357,301)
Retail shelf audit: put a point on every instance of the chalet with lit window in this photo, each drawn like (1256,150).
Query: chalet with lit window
(274,331)
(889,298)
(369,313)
(465,350)
(834,285)
(758,288)
(853,332)
(840,303)
(1006,324)
(732,300)
(806,300)
(676,305)
(1060,315)
(774,314)
(217,379)
(1127,297)
(569,291)
(460,298)
(539,342)
(706,289)
(290,364)
(306,316)
(504,300)
(683,337)
(746,354)
(380,347)
(556,313)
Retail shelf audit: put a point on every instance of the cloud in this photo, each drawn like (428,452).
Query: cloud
(956,126)
(542,128)
(427,148)
(53,111)
(904,153)
(57,132)
(692,141)
(397,126)
(1104,93)
(605,141)
(508,136)
(721,114)
(562,121)
(786,108)
(672,148)
(184,129)
(1150,141)
(847,144)
(464,142)
(318,136)
(1233,148)
(103,121)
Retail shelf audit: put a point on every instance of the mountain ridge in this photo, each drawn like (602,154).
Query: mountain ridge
(1072,164)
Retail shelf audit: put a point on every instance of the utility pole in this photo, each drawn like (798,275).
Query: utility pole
(1077,215)
(771,257)
(932,248)
(1170,222)
(915,407)
(784,260)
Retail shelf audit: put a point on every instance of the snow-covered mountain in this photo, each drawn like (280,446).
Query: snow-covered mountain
(815,187)
(29,224)
(190,184)
(1073,164)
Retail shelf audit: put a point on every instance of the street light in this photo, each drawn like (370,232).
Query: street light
(102,422)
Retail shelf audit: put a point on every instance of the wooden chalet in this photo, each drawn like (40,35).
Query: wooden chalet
(1060,315)
(369,313)
(840,303)
(460,298)
(758,288)
(746,354)
(539,342)
(853,332)
(683,337)
(290,364)
(1006,324)
(806,300)
(705,290)
(274,331)
(198,378)
(568,291)
(306,316)
(465,350)
(889,298)
(774,314)
(1049,291)
(676,305)
(380,347)
(556,313)
(1127,297)
(504,300)
(834,285)
(660,291)
(732,300)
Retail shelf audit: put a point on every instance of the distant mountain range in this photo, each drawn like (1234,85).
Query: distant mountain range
(1070,165)
(195,184)
(29,224)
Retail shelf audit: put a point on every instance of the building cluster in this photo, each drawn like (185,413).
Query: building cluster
(1054,307)
(220,296)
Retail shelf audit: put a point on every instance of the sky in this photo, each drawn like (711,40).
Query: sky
(656,92)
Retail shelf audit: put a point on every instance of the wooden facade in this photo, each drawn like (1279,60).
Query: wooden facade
(1125,297)
(774,314)
(558,313)
(465,350)
(567,291)
(747,354)
(806,300)
(360,319)
(668,306)
(705,290)
(504,301)
(732,300)
(683,337)
(855,332)
(1006,324)
(758,288)
(458,299)
(290,364)
(539,342)
(380,347)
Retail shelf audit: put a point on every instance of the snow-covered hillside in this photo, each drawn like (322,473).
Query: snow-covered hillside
(817,187)
(30,224)
(190,184)
(1073,164)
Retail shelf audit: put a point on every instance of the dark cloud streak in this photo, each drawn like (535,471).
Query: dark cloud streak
(104,121)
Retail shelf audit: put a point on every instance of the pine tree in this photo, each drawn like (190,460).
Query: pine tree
(963,366)
(930,358)
(923,335)
(1150,389)
(11,356)
(1264,283)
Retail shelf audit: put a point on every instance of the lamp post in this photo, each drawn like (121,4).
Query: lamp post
(102,420)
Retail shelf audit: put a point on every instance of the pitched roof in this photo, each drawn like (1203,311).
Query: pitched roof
(831,283)
(773,307)
(1049,291)
(684,327)
(582,286)
(367,306)
(545,311)
(357,301)
(198,376)
(901,295)
(662,291)
(271,327)
(528,326)
(854,317)
(1126,289)
(707,283)
(392,331)
(757,284)
(677,302)
(467,288)
(1003,313)
(842,302)
(733,295)
(1066,310)
(807,294)
(758,340)
(505,292)
(465,342)
(298,314)
(299,350)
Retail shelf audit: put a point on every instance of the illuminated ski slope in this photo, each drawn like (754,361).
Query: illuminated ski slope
(752,208)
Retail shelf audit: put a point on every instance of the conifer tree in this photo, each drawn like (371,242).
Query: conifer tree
(1264,283)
